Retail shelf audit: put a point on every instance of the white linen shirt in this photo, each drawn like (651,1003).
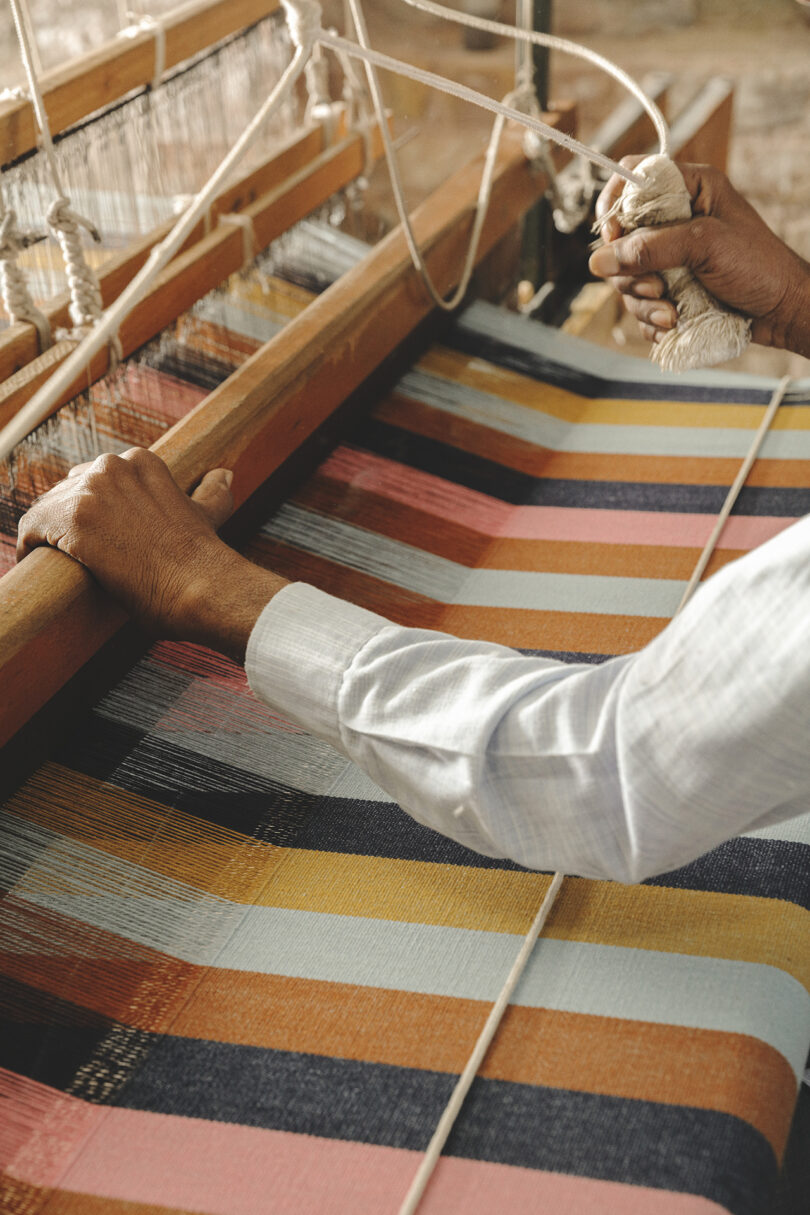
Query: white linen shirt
(622,770)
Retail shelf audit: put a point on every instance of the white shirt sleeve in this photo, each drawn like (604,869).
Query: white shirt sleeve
(617,771)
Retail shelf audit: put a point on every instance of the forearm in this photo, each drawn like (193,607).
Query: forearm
(619,771)
(223,602)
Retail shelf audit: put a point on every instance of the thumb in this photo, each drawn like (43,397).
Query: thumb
(213,496)
(648,250)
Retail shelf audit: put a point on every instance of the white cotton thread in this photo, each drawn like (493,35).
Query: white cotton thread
(537,38)
(706,332)
(83,285)
(453,1107)
(41,403)
(155,27)
(17,299)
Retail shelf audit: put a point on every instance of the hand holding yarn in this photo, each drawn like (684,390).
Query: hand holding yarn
(712,232)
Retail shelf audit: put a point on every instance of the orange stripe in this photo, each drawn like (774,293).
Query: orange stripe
(551,1048)
(587,632)
(410,525)
(537,461)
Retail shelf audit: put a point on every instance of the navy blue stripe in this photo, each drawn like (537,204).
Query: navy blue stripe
(768,869)
(519,489)
(636,1142)
(253,806)
(587,383)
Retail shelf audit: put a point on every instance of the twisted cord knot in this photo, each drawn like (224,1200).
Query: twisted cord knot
(85,293)
(303,21)
(16,297)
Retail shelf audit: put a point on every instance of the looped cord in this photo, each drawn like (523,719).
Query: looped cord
(153,25)
(303,22)
(16,297)
(85,293)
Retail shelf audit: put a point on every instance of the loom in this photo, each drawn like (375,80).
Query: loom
(236,978)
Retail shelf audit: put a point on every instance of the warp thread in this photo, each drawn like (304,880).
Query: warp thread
(706,332)
(17,298)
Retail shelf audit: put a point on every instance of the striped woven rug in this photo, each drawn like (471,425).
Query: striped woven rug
(237,979)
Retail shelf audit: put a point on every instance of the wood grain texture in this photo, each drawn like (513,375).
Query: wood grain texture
(18,343)
(53,615)
(97,79)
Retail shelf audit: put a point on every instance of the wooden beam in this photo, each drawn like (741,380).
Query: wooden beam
(55,617)
(18,343)
(203,266)
(103,76)
(701,132)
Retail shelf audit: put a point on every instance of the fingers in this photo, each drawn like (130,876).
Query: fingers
(651,250)
(611,228)
(213,496)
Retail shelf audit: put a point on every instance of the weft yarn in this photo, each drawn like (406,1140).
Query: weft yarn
(706,332)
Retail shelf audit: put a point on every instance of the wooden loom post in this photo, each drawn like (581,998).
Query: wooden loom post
(107,74)
(55,617)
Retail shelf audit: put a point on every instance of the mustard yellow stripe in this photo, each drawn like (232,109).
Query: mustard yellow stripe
(557,402)
(224,863)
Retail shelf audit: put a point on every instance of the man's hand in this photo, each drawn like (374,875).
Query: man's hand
(727,246)
(154,549)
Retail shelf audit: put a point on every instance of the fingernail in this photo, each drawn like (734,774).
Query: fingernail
(647,291)
(604,262)
(662,318)
(227,477)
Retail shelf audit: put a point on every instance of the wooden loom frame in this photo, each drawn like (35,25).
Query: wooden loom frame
(107,74)
(55,617)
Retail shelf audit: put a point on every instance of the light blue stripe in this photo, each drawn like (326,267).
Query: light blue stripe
(544,430)
(99,890)
(498,323)
(447,582)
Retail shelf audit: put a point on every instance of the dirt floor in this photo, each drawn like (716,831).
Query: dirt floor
(762,45)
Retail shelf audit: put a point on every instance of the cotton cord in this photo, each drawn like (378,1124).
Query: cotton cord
(65,223)
(304,22)
(537,38)
(451,1111)
(17,299)
(41,404)
(155,27)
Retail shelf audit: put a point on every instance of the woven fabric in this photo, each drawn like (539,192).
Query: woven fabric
(237,979)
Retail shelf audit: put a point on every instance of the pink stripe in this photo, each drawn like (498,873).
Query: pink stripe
(225,1169)
(437,497)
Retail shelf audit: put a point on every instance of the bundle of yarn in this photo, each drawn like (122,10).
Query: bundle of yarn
(706,332)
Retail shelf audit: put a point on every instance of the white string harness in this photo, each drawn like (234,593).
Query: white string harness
(654,193)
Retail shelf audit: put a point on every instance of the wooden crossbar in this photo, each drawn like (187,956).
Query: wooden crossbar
(105,75)
(55,617)
(204,265)
(19,343)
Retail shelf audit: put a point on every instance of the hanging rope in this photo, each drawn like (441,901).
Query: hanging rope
(64,222)
(17,299)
